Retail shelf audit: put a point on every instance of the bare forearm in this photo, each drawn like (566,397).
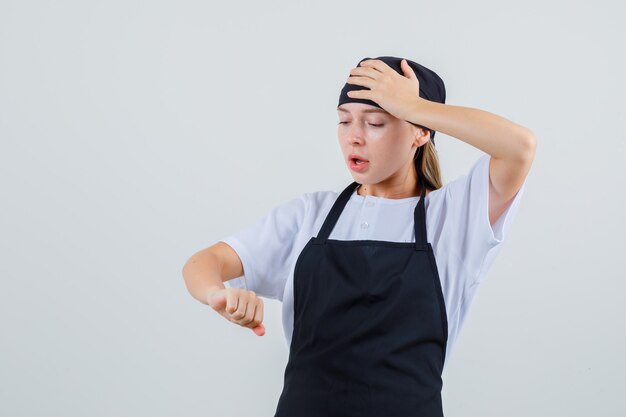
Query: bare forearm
(201,272)
(493,134)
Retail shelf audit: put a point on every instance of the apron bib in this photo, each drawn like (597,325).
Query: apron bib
(370,326)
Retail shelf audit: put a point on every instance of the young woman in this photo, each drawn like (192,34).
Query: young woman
(376,280)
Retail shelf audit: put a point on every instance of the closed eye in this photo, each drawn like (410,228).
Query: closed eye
(371,124)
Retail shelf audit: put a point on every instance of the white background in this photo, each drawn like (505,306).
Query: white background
(133,134)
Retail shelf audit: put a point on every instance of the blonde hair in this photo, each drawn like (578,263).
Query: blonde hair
(427,166)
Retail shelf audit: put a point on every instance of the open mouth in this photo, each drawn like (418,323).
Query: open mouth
(356,158)
(358,165)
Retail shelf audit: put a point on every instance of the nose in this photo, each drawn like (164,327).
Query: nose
(354,133)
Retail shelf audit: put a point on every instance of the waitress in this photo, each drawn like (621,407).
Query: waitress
(376,280)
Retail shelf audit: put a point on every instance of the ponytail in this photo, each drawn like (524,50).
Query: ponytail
(427,165)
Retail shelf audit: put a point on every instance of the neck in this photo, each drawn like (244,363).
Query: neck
(406,189)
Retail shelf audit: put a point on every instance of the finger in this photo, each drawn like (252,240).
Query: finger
(242,305)
(258,315)
(365,72)
(364,81)
(364,94)
(250,309)
(257,324)
(231,302)
(376,64)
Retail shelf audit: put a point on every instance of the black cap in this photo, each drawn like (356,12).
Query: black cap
(432,87)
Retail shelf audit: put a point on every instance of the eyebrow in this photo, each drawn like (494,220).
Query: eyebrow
(364,111)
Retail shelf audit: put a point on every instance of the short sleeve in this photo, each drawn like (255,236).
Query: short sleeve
(475,241)
(265,249)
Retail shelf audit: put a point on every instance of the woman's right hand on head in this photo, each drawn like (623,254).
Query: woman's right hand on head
(239,306)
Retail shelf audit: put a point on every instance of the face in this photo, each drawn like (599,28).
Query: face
(388,143)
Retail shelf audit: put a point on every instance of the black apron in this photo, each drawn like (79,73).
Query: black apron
(370,326)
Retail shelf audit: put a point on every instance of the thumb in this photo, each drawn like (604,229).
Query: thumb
(259,330)
(408,71)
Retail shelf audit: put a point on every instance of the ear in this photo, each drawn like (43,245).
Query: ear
(421,136)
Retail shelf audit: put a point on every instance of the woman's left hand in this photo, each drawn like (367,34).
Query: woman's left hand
(395,93)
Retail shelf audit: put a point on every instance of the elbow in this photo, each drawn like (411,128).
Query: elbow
(531,146)
(528,146)
(184,268)
(185,271)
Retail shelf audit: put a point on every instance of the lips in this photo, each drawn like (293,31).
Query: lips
(357,163)
(354,157)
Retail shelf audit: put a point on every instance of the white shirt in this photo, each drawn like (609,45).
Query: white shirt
(457,224)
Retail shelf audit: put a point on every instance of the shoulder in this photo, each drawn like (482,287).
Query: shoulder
(319,202)
(302,209)
(321,198)
(302,205)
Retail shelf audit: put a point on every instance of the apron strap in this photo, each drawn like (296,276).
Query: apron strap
(335,211)
(419,220)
